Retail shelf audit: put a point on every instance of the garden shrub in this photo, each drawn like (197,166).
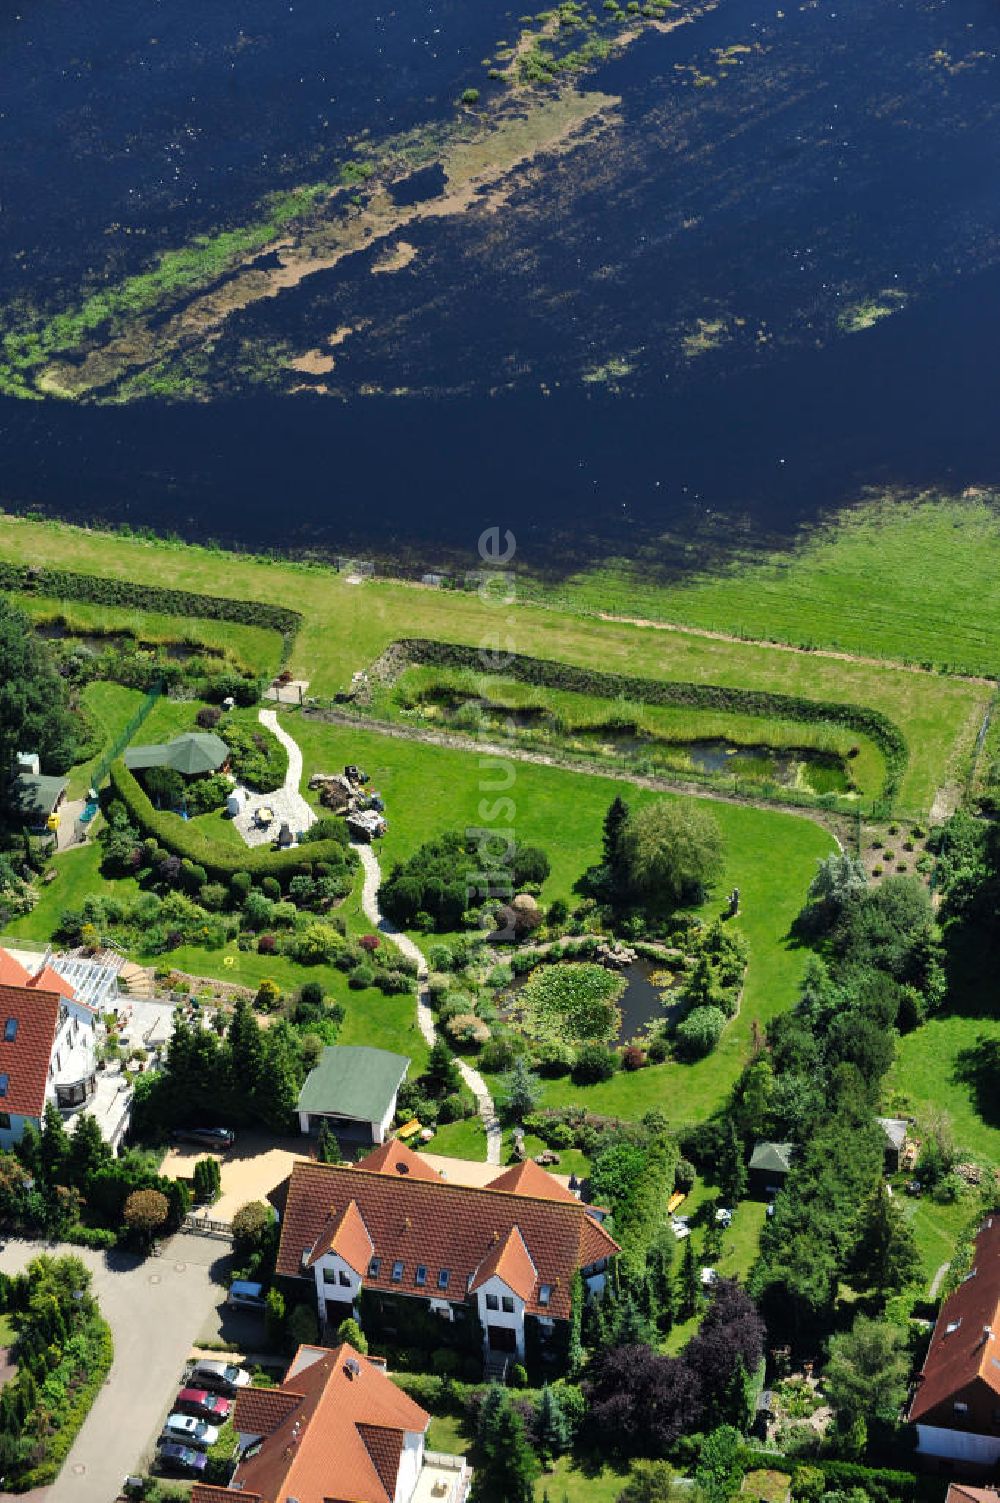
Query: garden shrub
(594,1063)
(698,1033)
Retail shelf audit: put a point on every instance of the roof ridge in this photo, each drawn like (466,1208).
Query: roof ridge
(445,1184)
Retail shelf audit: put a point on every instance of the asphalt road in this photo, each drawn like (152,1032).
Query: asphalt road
(156,1309)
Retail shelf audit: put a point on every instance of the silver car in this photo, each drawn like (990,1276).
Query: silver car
(185,1430)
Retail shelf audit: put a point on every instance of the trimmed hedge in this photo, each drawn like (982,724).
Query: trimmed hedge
(548,674)
(219,861)
(64,584)
(58,1445)
(879,1482)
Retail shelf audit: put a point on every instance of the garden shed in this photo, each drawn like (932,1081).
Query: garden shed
(770,1164)
(353,1090)
(35,797)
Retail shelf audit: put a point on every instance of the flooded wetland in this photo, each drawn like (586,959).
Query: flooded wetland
(669,260)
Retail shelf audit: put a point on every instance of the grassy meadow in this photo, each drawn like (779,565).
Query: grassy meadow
(346,626)
(914,580)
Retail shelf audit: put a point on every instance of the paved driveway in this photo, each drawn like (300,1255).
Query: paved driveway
(155,1309)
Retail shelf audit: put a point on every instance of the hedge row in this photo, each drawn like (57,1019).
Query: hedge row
(552,675)
(64,584)
(220,861)
(878,1482)
(58,1445)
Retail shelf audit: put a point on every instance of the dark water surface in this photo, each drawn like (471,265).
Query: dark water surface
(660,324)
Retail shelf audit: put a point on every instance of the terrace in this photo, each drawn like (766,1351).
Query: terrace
(443,1479)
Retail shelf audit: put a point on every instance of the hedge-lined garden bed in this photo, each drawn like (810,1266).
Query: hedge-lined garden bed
(547,673)
(221,862)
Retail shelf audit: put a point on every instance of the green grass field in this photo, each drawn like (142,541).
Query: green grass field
(924,1075)
(914,581)
(770,856)
(112,708)
(347,626)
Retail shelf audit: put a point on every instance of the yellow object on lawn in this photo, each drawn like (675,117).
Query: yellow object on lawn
(676,1200)
(409,1129)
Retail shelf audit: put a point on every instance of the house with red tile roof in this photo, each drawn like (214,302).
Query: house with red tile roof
(48,1052)
(389,1228)
(956,1406)
(961,1492)
(337,1430)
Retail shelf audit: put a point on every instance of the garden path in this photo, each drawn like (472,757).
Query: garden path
(425,1018)
(286,803)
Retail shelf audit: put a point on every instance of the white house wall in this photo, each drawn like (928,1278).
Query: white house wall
(512,1320)
(337,1293)
(958,1445)
(410,1462)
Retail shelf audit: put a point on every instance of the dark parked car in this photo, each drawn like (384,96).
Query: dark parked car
(203,1405)
(218,1377)
(181,1461)
(205,1137)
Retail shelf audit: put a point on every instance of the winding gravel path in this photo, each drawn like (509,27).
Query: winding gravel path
(425,1018)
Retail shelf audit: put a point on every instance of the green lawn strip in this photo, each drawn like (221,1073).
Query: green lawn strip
(371,1018)
(447,1433)
(77,874)
(569,1482)
(8,1331)
(924,1078)
(460,1140)
(917,582)
(112,707)
(346,627)
(256,647)
(770,856)
(937,1230)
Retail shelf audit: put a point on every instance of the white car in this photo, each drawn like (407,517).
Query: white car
(723,1216)
(188,1431)
(679,1227)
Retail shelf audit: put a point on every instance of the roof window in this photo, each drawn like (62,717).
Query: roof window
(545,1294)
(443,1278)
(397,1271)
(373,1268)
(4,1081)
(421,1274)
(952,1325)
(10,1030)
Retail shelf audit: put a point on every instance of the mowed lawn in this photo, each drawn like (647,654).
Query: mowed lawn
(915,581)
(346,626)
(112,707)
(926,1076)
(771,857)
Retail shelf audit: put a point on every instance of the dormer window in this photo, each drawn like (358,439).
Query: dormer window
(10,1030)
(420,1276)
(373,1268)
(545,1294)
(397,1271)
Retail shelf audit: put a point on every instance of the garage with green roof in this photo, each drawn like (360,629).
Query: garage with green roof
(353,1090)
(197,754)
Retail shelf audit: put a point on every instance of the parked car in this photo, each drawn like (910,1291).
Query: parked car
(218,1377)
(203,1405)
(188,1431)
(205,1137)
(181,1461)
(246,1295)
